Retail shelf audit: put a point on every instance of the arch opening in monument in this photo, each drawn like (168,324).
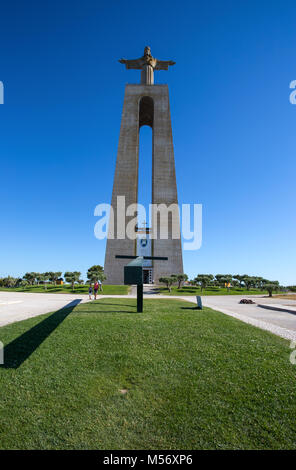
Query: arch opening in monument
(146,111)
(144,243)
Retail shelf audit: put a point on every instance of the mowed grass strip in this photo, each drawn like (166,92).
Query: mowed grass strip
(195,290)
(170,378)
(67,289)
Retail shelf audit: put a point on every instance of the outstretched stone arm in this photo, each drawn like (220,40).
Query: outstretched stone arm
(163,64)
(132,64)
(147,64)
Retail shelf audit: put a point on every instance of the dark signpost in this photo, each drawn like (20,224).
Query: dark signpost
(133,274)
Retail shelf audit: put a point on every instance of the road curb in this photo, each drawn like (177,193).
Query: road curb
(278,308)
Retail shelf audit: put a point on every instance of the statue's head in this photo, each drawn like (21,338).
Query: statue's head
(147,51)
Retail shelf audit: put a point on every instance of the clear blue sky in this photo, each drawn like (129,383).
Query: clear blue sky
(233,126)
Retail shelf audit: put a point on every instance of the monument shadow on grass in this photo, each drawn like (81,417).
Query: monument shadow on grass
(21,348)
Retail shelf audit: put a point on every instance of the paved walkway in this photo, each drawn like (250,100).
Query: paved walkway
(148,289)
(17,306)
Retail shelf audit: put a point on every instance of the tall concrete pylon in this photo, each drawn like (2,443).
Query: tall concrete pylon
(145,104)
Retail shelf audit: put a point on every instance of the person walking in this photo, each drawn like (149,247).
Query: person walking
(90,291)
(96,286)
(100,285)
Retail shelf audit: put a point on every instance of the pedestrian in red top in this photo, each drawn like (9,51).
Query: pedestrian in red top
(96,286)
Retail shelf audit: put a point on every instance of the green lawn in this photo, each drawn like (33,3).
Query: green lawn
(67,289)
(191,290)
(193,380)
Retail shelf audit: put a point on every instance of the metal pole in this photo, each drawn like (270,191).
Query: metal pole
(140,298)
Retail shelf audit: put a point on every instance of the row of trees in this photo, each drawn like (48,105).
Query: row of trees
(174,279)
(222,280)
(291,288)
(242,281)
(95,273)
